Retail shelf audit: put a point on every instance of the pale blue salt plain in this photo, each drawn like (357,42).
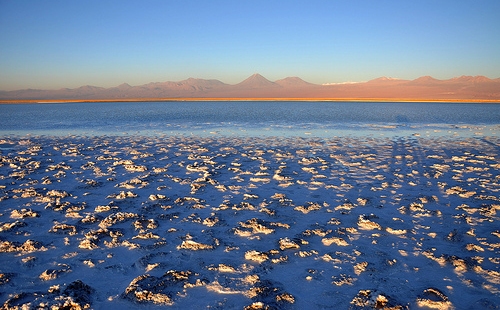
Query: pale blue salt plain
(256,118)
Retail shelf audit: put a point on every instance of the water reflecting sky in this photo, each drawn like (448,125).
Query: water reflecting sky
(256,118)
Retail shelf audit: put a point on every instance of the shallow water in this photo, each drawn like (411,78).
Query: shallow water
(303,119)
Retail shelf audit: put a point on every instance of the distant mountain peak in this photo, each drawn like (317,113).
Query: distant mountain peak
(256,81)
(193,81)
(424,79)
(124,86)
(469,78)
(386,80)
(257,75)
(292,81)
(89,88)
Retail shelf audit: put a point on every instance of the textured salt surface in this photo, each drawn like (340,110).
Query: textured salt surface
(289,223)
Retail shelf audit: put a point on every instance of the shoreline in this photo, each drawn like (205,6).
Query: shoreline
(270,99)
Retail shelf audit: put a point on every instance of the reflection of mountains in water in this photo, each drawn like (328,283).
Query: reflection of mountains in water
(256,86)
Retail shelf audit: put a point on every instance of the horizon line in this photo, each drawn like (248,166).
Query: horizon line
(270,99)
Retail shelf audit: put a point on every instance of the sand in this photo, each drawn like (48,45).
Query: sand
(249,223)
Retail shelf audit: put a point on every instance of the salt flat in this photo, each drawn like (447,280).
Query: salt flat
(250,223)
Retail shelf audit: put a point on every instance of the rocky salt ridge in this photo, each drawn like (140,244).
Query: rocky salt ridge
(249,223)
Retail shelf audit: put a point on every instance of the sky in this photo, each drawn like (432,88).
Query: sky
(66,44)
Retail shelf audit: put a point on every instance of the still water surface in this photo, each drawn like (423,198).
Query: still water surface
(258,118)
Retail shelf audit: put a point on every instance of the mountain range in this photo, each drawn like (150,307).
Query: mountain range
(473,88)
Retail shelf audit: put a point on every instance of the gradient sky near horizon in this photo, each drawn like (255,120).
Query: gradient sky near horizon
(55,44)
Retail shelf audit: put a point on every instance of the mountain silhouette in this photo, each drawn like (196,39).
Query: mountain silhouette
(471,88)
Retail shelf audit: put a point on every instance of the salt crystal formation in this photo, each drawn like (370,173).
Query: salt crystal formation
(250,223)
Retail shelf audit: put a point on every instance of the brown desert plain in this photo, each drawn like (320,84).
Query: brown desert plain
(257,87)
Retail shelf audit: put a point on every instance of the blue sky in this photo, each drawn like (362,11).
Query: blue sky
(55,44)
